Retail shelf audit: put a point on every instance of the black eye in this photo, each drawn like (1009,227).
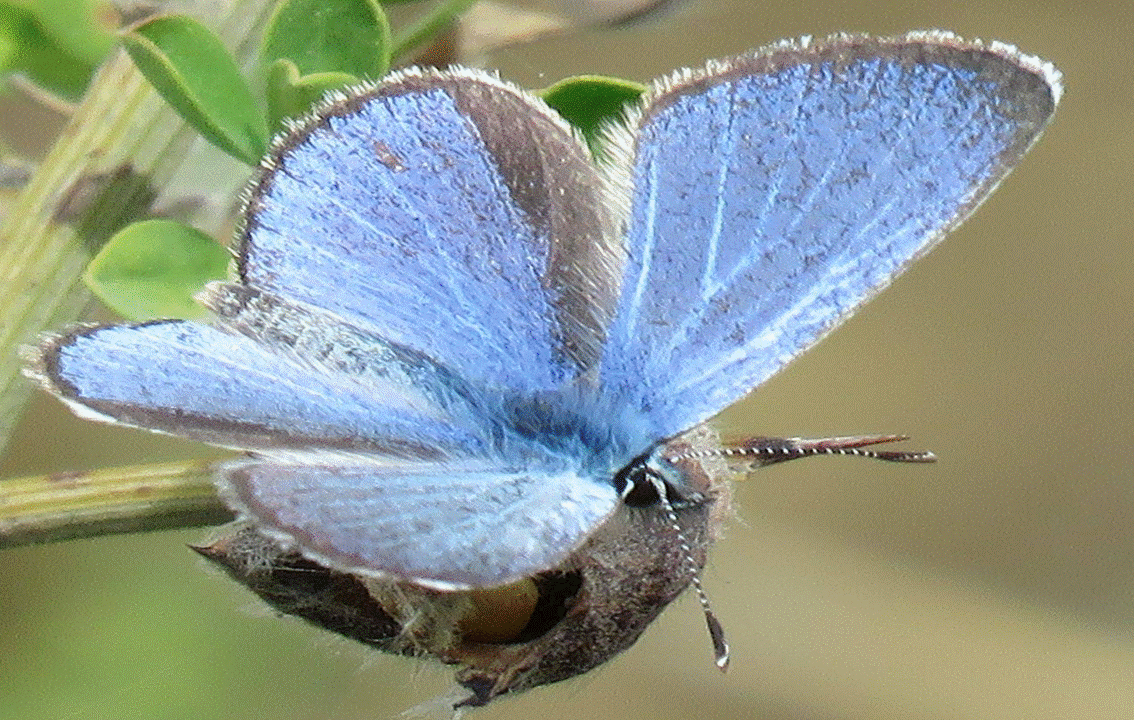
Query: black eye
(642,492)
(636,484)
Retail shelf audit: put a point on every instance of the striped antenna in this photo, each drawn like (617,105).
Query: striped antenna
(760,452)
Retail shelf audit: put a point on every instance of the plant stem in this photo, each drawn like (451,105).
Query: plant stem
(65,506)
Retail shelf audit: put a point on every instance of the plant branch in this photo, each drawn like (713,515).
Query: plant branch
(65,506)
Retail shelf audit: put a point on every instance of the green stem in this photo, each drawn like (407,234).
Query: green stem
(40,255)
(66,506)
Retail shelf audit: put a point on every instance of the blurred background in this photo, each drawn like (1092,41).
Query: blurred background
(998,583)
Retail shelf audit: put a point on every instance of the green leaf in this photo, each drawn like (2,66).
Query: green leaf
(82,28)
(26,47)
(330,36)
(152,269)
(590,101)
(191,69)
(290,95)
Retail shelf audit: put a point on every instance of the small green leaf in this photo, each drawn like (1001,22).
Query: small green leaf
(152,269)
(290,95)
(26,47)
(590,101)
(330,36)
(191,69)
(82,28)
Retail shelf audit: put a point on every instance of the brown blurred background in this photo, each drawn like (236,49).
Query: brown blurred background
(998,583)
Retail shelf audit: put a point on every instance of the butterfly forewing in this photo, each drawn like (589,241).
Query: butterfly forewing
(776,192)
(434,208)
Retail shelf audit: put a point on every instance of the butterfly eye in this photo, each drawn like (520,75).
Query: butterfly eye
(633,485)
(640,484)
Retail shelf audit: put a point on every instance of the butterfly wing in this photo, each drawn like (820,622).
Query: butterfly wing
(443,526)
(193,380)
(407,243)
(409,248)
(450,212)
(776,192)
(351,467)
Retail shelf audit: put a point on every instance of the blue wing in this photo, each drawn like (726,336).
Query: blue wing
(777,192)
(410,250)
(445,527)
(195,381)
(450,212)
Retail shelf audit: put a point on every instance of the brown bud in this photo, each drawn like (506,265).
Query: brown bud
(550,627)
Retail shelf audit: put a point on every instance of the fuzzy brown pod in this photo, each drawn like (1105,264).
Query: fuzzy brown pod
(558,623)
(550,627)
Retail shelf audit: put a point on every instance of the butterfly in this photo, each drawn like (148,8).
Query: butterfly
(470,366)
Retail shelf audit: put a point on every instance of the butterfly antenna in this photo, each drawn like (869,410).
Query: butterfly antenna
(760,452)
(716,630)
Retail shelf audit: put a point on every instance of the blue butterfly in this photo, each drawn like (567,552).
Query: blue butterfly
(460,353)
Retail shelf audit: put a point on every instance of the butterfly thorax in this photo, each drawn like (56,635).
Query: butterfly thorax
(592,433)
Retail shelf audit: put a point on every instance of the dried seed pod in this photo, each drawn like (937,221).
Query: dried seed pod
(539,630)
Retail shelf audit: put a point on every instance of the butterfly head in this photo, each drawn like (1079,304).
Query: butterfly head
(649,479)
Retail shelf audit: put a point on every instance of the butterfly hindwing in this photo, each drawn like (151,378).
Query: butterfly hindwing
(445,526)
(192,380)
